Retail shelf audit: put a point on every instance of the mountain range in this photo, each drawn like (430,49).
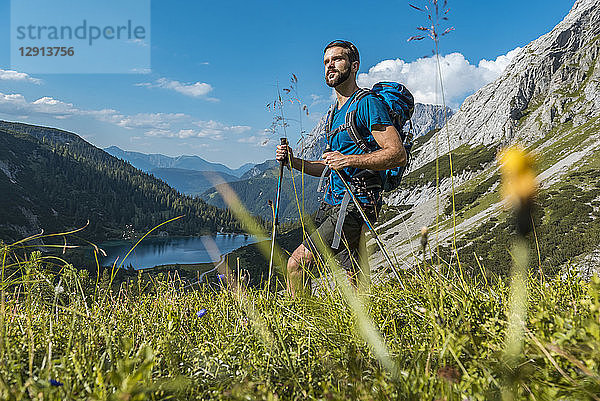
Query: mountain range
(148,162)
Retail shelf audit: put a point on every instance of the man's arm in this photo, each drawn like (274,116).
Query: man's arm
(314,168)
(391,154)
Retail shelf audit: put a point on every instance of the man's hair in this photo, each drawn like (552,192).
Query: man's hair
(352,50)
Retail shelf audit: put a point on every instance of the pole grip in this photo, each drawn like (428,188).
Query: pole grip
(284,141)
(285,161)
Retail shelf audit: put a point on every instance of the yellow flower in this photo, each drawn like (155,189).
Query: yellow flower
(424,234)
(519,182)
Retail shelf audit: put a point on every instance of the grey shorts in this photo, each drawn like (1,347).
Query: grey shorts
(325,221)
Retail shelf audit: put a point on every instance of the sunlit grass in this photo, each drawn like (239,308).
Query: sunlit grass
(442,337)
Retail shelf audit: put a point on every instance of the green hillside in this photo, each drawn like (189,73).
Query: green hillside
(54,180)
(256,192)
(566,216)
(191,182)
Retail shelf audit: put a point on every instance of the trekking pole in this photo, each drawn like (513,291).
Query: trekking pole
(276,214)
(370,227)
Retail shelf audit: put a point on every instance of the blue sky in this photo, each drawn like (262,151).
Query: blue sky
(215,66)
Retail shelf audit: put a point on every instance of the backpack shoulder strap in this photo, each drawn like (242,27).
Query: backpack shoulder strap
(329,123)
(351,121)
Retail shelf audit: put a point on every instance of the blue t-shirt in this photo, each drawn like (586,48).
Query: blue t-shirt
(370,111)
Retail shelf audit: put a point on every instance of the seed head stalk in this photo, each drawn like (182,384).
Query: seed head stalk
(439,69)
(291,94)
(431,9)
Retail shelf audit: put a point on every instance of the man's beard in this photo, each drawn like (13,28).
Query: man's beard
(341,78)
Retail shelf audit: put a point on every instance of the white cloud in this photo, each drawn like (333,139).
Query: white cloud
(205,129)
(16,104)
(11,75)
(198,89)
(259,139)
(54,107)
(148,120)
(250,139)
(167,125)
(460,78)
(213,128)
(184,134)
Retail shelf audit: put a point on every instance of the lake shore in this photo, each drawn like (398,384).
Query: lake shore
(190,254)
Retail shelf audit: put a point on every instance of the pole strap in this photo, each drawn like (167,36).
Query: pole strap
(325,173)
(337,234)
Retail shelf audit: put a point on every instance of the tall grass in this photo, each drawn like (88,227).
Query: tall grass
(442,336)
(64,337)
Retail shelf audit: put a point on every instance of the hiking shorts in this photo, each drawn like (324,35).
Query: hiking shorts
(325,221)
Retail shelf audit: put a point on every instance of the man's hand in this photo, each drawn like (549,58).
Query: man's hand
(336,160)
(314,168)
(283,152)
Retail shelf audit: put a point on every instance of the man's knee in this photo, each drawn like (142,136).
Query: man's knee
(300,257)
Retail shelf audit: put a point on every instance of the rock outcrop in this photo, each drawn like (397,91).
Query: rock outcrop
(552,80)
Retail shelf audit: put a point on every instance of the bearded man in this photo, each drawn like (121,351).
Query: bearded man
(344,158)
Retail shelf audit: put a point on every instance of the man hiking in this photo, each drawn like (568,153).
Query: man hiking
(364,171)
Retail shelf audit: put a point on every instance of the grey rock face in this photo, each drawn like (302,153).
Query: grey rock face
(425,118)
(553,80)
(312,146)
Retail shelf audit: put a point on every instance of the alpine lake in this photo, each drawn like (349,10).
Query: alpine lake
(172,251)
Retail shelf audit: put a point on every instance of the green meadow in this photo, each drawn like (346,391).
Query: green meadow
(65,334)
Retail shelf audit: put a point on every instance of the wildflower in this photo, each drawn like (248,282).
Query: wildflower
(422,310)
(424,234)
(449,373)
(55,383)
(519,184)
(201,312)
(59,289)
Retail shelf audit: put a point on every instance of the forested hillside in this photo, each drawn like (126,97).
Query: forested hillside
(255,193)
(55,181)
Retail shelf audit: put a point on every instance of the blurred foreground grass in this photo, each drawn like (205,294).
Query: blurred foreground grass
(64,336)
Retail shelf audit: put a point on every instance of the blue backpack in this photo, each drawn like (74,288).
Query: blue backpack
(400,104)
